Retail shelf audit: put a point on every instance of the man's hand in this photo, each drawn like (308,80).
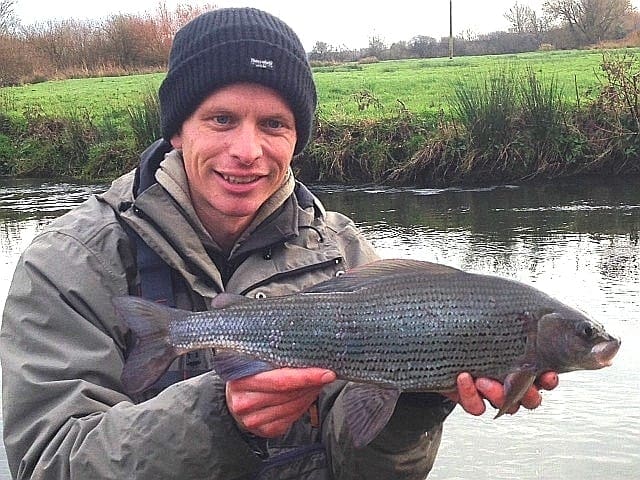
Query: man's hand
(268,403)
(471,394)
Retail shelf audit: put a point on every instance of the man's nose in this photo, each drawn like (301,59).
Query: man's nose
(246,144)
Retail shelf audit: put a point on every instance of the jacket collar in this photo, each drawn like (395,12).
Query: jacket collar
(276,220)
(164,217)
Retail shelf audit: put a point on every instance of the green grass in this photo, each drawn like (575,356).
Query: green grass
(421,122)
(99,97)
(423,86)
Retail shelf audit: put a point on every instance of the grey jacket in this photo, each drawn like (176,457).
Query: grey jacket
(62,348)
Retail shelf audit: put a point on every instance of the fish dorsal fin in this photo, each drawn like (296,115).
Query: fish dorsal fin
(363,275)
(368,409)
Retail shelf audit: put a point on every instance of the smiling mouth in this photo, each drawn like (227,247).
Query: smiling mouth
(240,180)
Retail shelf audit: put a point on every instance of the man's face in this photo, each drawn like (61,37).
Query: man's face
(237,148)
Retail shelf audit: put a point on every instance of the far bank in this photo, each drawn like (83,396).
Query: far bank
(413,122)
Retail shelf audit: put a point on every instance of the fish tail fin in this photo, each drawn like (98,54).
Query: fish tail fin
(152,352)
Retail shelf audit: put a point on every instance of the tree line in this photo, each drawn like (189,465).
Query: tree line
(561,25)
(118,44)
(125,43)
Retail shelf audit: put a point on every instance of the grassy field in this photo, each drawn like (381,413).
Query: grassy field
(425,121)
(423,86)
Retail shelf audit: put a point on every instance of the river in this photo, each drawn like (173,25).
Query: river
(578,241)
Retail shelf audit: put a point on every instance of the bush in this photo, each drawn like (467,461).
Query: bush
(8,153)
(110,159)
(54,146)
(16,63)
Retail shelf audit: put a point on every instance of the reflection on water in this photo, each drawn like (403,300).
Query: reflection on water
(576,241)
(23,199)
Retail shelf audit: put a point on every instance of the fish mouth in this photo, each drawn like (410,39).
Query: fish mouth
(604,352)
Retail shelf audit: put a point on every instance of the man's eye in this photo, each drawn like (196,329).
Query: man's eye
(222,119)
(274,124)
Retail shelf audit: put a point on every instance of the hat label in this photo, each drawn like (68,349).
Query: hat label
(264,64)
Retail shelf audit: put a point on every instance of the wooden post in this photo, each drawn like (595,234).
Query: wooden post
(450,29)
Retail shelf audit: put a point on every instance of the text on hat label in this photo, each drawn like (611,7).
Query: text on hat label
(266,64)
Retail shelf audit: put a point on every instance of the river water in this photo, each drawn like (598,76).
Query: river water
(578,241)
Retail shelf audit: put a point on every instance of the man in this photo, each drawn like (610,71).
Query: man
(221,212)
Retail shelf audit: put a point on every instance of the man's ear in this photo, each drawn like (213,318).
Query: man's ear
(176,141)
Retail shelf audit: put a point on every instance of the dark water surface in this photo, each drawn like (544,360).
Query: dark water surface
(578,241)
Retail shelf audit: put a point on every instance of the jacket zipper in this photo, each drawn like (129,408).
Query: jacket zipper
(290,456)
(292,273)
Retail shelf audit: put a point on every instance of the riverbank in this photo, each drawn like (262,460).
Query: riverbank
(504,120)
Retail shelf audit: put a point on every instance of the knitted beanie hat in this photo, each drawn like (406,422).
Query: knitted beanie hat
(232,45)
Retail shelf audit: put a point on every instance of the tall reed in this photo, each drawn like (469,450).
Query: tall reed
(144,119)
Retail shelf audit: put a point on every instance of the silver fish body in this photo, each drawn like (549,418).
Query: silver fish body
(399,325)
(408,333)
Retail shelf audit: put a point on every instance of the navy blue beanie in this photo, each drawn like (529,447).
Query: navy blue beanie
(232,45)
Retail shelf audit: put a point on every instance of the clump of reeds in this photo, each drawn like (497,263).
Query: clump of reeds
(507,125)
(365,151)
(144,119)
(55,145)
(612,122)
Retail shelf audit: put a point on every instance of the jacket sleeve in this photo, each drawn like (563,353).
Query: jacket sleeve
(65,415)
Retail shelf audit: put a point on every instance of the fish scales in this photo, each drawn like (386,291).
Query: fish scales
(390,326)
(411,333)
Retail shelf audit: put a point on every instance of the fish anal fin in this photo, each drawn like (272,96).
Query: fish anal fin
(232,366)
(516,385)
(368,409)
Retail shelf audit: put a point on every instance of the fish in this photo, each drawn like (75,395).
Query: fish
(390,326)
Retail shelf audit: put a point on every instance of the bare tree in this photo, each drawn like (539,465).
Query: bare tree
(524,19)
(8,19)
(518,16)
(376,47)
(591,21)
(132,41)
(56,41)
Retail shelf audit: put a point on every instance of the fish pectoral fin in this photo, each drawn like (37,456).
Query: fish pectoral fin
(368,409)
(231,365)
(223,300)
(516,385)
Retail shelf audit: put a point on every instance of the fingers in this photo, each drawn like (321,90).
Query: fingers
(268,403)
(285,380)
(532,398)
(468,395)
(268,415)
(548,380)
(471,394)
(494,392)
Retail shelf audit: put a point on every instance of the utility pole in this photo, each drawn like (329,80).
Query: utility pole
(450,29)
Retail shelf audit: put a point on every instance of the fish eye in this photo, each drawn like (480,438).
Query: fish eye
(585,330)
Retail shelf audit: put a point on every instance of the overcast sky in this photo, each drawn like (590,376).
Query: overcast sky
(336,22)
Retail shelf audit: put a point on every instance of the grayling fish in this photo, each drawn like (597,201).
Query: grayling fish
(392,326)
